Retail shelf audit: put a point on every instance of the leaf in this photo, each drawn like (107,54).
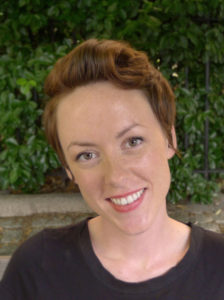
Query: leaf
(112,8)
(14,174)
(12,141)
(123,14)
(183,42)
(32,83)
(23,2)
(154,21)
(192,38)
(53,11)
(21,81)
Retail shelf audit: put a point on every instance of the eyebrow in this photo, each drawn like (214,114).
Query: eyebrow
(87,144)
(125,130)
(82,144)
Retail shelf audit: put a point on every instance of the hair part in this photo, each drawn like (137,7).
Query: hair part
(107,60)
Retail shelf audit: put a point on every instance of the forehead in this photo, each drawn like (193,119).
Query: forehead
(102,97)
(102,107)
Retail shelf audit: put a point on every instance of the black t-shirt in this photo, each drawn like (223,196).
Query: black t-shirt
(59,264)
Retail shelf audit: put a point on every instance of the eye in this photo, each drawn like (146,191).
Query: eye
(85,156)
(134,141)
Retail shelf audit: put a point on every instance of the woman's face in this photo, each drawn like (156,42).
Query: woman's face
(118,154)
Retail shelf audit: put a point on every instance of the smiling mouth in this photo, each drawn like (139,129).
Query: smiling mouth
(128,199)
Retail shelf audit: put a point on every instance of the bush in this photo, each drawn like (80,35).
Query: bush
(179,36)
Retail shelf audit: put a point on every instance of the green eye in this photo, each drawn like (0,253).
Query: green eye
(135,141)
(85,156)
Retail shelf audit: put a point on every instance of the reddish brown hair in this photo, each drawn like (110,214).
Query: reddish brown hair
(114,61)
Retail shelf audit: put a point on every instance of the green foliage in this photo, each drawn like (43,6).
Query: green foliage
(178,35)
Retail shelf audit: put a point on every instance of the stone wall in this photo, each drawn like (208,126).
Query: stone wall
(21,216)
(15,230)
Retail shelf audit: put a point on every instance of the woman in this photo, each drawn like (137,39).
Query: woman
(111,121)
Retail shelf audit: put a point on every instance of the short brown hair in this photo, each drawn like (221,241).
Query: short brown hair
(107,60)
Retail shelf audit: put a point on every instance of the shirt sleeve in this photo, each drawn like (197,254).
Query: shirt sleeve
(5,293)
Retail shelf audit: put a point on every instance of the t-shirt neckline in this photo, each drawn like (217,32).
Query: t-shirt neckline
(151,285)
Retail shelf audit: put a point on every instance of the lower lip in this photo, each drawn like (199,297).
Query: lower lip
(128,207)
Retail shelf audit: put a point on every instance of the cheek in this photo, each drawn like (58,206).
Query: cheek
(154,166)
(87,181)
(161,174)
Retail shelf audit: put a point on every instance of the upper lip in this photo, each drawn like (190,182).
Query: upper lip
(126,194)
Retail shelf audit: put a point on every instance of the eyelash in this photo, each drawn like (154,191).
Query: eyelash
(80,155)
(135,138)
(129,141)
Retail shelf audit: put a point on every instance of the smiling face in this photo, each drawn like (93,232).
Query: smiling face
(118,154)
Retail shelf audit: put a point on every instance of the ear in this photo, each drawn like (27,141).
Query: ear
(171,151)
(69,174)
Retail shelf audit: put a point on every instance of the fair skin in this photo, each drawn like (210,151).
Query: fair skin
(118,155)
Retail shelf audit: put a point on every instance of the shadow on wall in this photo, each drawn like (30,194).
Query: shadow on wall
(3,264)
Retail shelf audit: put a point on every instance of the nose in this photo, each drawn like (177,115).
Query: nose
(115,171)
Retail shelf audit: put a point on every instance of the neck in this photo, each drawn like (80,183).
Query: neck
(141,256)
(111,242)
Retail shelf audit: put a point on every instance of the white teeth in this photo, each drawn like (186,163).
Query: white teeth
(135,196)
(130,199)
(123,201)
(127,200)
